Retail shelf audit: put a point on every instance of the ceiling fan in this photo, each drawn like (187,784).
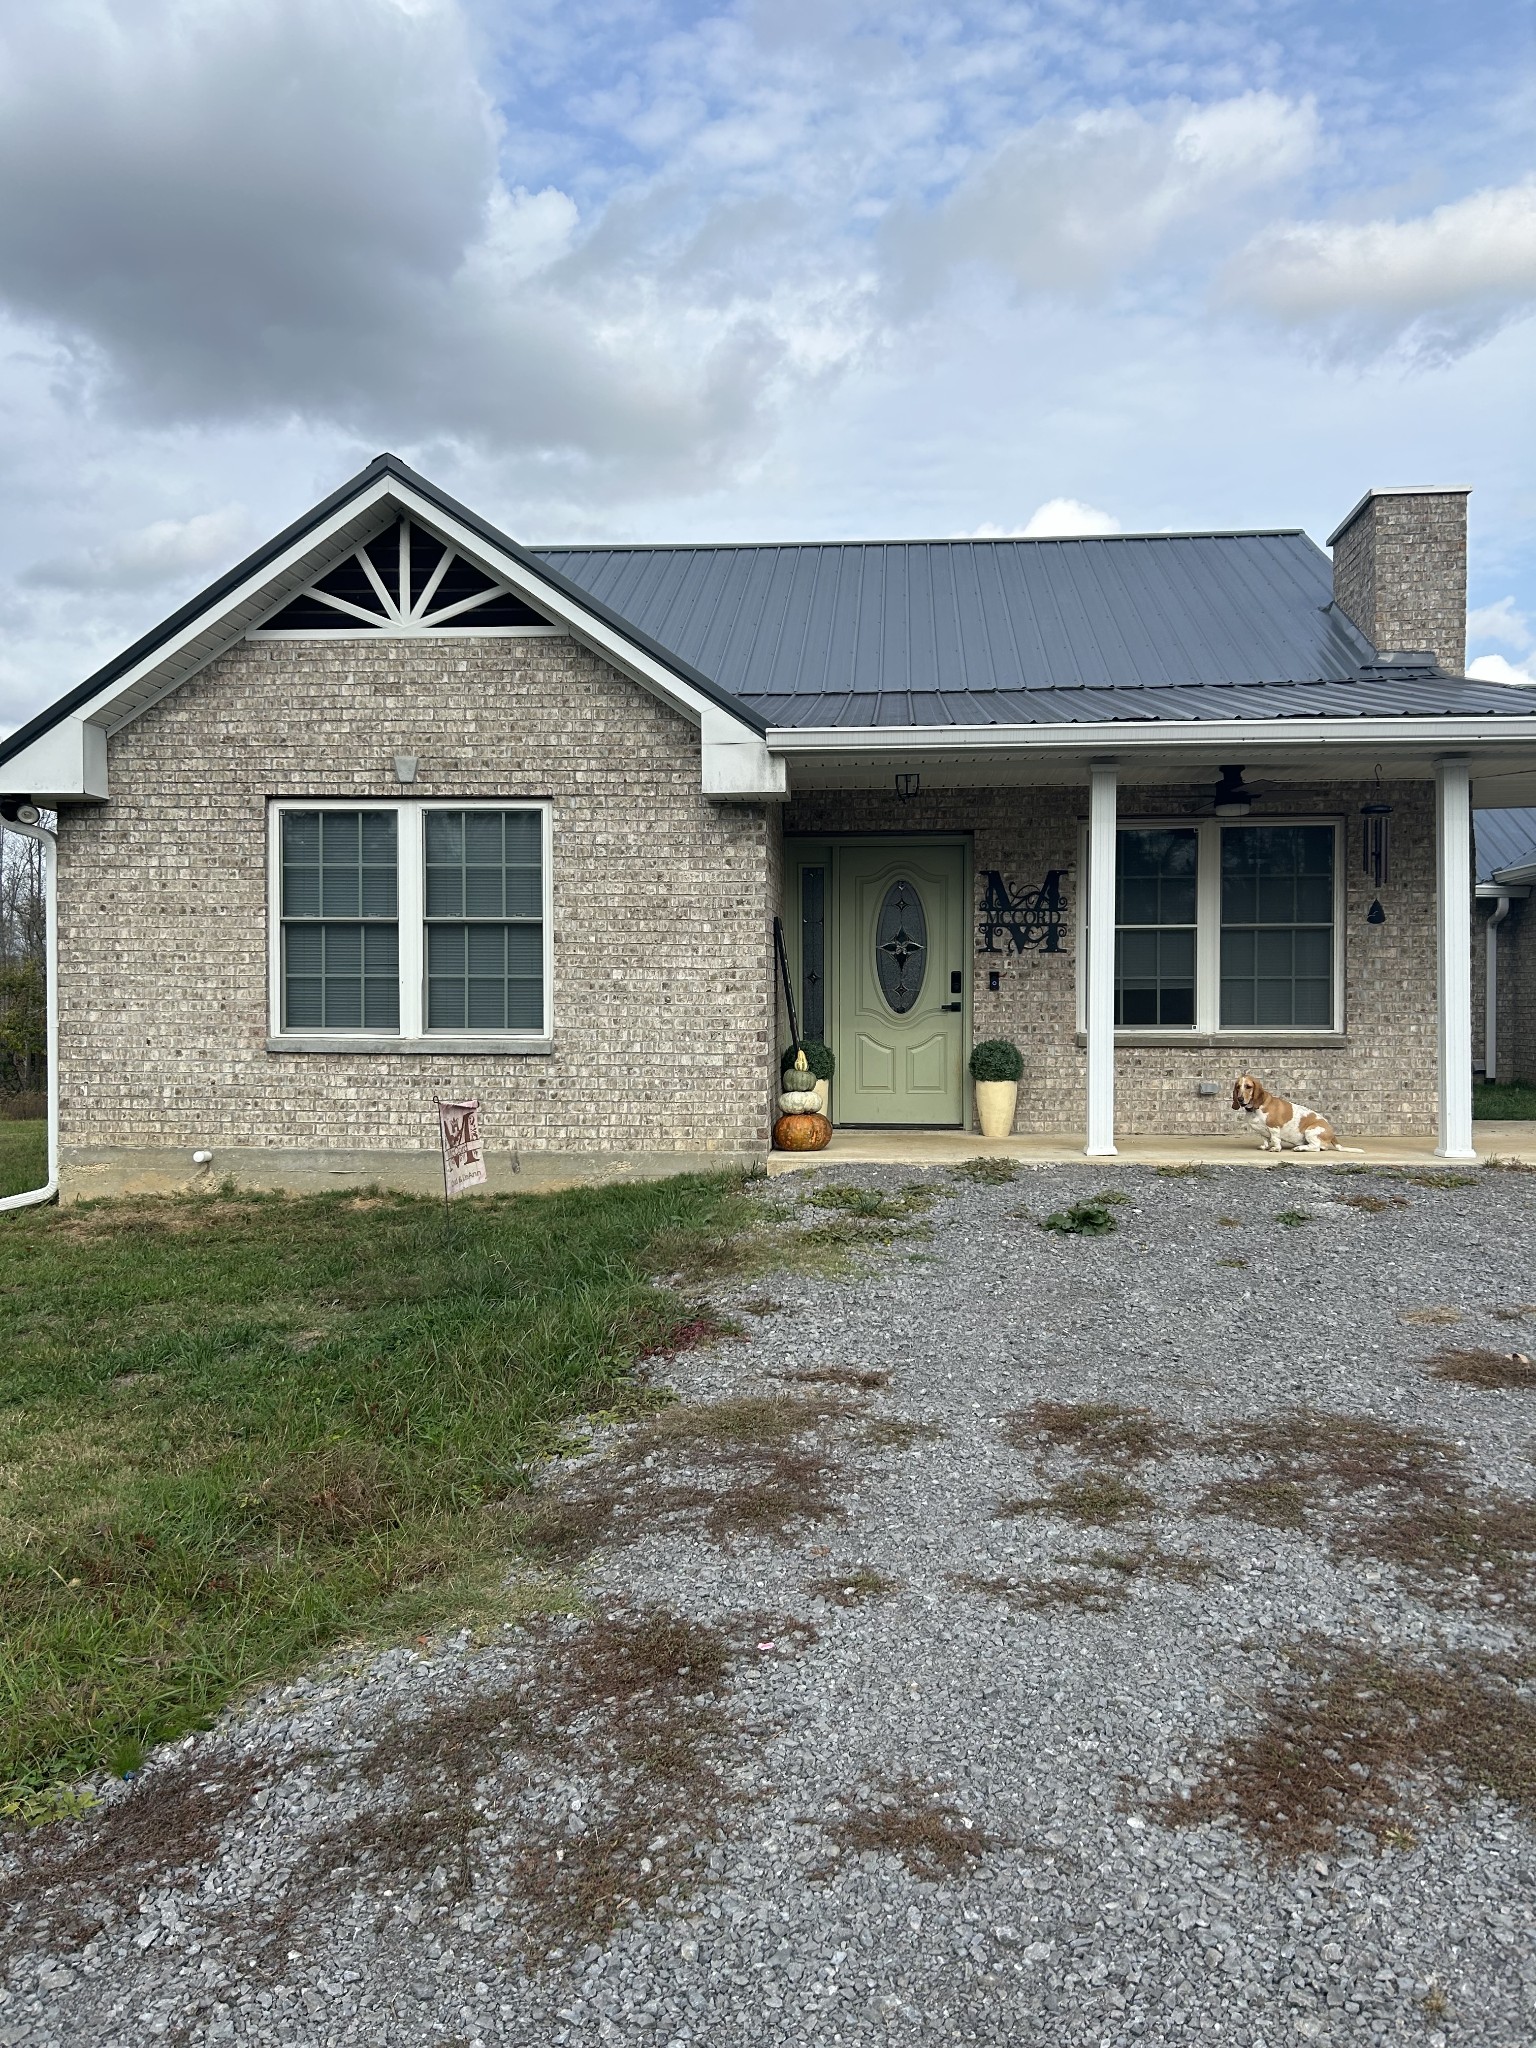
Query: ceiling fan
(1233,797)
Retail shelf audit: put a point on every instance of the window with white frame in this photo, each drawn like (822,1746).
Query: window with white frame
(410,920)
(1228,927)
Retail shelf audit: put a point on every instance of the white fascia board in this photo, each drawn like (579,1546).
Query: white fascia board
(1108,738)
(65,765)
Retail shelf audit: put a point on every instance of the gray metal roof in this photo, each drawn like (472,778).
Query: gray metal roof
(1019,632)
(1505,839)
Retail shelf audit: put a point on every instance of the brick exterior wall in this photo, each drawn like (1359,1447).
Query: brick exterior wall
(1400,572)
(662,907)
(1382,1080)
(1516,1051)
(1517,993)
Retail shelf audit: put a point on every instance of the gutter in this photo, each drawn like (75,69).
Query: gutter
(1107,736)
(50,847)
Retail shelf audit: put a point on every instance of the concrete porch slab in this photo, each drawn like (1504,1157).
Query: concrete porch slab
(1512,1141)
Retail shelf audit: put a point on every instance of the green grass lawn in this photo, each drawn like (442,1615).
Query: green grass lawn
(1504,1099)
(237,1430)
(23,1156)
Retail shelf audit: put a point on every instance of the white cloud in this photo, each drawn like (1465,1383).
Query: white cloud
(1501,621)
(1056,518)
(1493,668)
(1070,205)
(165,551)
(1439,282)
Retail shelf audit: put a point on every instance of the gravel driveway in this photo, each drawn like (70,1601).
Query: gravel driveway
(1031,1636)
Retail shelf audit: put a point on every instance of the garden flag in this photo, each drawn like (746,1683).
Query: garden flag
(463,1152)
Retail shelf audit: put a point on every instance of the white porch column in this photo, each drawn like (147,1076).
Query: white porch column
(1453,979)
(1099,1009)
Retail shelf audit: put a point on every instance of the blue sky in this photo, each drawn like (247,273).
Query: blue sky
(799,269)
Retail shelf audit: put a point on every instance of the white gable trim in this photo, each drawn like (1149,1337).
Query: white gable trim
(67,763)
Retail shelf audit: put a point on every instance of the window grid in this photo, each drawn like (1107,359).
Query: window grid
(1156,921)
(1277,905)
(1293,915)
(447,928)
(484,916)
(340,929)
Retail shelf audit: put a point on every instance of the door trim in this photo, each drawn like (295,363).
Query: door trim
(820,849)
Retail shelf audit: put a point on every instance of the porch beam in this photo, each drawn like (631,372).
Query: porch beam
(1453,932)
(1099,1007)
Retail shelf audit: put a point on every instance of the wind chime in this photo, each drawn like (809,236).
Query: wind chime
(1376,849)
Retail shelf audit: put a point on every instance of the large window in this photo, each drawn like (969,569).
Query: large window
(1277,927)
(1227,927)
(411,923)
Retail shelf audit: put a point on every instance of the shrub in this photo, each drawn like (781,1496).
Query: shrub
(819,1058)
(996,1059)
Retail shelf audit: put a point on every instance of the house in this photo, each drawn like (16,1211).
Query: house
(1504,946)
(401,809)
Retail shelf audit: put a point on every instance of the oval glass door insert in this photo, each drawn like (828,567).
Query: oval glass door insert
(901,947)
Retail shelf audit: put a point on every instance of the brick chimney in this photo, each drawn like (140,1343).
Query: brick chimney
(1400,573)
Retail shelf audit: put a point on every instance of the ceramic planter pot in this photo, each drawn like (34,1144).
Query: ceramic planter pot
(996,1102)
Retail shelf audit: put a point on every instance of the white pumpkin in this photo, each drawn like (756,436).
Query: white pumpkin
(798,1102)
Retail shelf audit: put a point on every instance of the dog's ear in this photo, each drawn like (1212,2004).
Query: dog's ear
(1237,1091)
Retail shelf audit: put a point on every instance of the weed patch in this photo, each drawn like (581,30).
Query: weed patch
(1292,1218)
(1193,1169)
(1463,1552)
(869,1203)
(899,1432)
(1359,1742)
(1348,1454)
(1437,1316)
(1097,1429)
(1094,1500)
(853,1584)
(1425,1178)
(1239,1264)
(1272,1503)
(728,1469)
(1372,1205)
(904,1818)
(856,1378)
(1514,1371)
(987,1171)
(1083,1219)
(1040,1596)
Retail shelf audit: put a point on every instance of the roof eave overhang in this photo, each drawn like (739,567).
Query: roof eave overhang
(1501,750)
(60,756)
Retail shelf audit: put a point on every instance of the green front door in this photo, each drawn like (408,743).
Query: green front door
(898,954)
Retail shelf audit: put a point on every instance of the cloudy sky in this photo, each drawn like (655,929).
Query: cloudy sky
(656,270)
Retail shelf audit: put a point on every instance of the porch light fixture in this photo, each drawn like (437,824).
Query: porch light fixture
(907,787)
(1232,799)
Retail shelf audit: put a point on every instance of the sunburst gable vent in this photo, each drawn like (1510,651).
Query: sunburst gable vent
(405,580)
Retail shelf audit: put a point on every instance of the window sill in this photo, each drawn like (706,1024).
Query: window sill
(389,1041)
(1198,1040)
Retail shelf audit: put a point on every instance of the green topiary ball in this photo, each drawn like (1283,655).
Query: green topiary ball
(996,1059)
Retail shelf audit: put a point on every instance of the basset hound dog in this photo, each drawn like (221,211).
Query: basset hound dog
(1282,1123)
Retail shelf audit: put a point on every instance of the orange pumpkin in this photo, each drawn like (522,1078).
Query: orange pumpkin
(802,1132)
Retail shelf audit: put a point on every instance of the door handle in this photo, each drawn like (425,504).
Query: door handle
(951,1006)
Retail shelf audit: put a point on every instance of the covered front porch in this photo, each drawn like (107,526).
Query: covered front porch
(1209,920)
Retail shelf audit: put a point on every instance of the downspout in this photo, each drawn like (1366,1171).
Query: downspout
(1491,996)
(50,847)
